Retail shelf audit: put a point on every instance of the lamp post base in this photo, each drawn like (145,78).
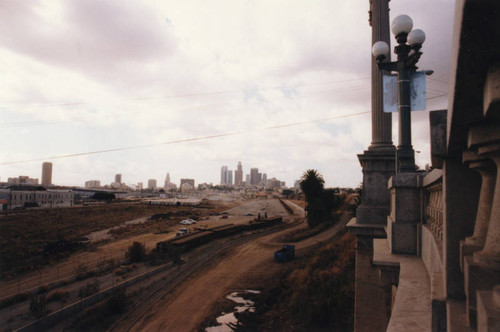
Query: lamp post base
(405,160)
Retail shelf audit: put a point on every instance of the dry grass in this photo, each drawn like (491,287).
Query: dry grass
(24,235)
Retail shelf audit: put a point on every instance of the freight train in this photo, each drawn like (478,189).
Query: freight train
(204,235)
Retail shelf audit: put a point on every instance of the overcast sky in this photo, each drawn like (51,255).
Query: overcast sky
(188,86)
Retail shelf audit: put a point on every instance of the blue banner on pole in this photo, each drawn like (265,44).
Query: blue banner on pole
(417,92)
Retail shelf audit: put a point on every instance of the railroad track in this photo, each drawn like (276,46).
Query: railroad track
(176,277)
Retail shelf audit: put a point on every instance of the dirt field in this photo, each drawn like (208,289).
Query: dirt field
(243,267)
(93,257)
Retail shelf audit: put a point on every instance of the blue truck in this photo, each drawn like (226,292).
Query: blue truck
(285,254)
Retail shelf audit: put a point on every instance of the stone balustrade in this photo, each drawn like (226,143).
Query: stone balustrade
(434,210)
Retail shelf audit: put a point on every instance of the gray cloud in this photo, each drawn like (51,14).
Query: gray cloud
(95,38)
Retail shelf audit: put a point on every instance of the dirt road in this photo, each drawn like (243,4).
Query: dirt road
(193,301)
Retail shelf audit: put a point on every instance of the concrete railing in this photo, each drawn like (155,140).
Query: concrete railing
(433,205)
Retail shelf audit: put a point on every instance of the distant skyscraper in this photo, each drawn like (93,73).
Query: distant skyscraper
(247,179)
(46,174)
(238,175)
(223,175)
(264,179)
(254,174)
(167,182)
(140,185)
(230,177)
(118,178)
(151,184)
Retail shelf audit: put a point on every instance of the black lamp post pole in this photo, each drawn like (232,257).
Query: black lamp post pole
(404,66)
(405,155)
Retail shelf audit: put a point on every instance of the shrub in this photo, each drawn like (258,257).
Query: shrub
(61,295)
(136,252)
(322,293)
(90,288)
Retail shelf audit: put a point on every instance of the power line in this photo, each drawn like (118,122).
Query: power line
(195,94)
(194,108)
(193,139)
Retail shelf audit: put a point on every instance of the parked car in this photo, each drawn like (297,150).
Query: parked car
(188,222)
(182,231)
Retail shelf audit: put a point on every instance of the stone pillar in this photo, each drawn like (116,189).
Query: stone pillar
(402,231)
(372,302)
(381,122)
(378,162)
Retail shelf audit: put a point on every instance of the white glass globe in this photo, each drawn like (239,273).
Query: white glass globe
(416,37)
(380,49)
(402,23)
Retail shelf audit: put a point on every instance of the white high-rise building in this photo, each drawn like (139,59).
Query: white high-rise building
(223,175)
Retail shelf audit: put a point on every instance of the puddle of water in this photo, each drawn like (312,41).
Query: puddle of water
(226,321)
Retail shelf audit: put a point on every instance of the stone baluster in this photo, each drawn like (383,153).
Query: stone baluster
(487,169)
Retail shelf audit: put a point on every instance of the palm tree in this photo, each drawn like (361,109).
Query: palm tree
(312,185)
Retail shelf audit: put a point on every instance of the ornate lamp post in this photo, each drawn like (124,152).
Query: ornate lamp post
(408,55)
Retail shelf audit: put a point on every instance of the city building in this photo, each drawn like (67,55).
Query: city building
(238,175)
(140,185)
(187,185)
(118,178)
(46,174)
(92,184)
(254,176)
(247,179)
(230,178)
(22,180)
(151,184)
(26,196)
(264,179)
(223,175)
(166,185)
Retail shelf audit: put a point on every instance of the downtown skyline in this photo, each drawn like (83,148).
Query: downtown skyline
(140,88)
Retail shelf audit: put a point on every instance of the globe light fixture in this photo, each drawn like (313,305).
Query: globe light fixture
(401,24)
(416,38)
(404,66)
(380,50)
